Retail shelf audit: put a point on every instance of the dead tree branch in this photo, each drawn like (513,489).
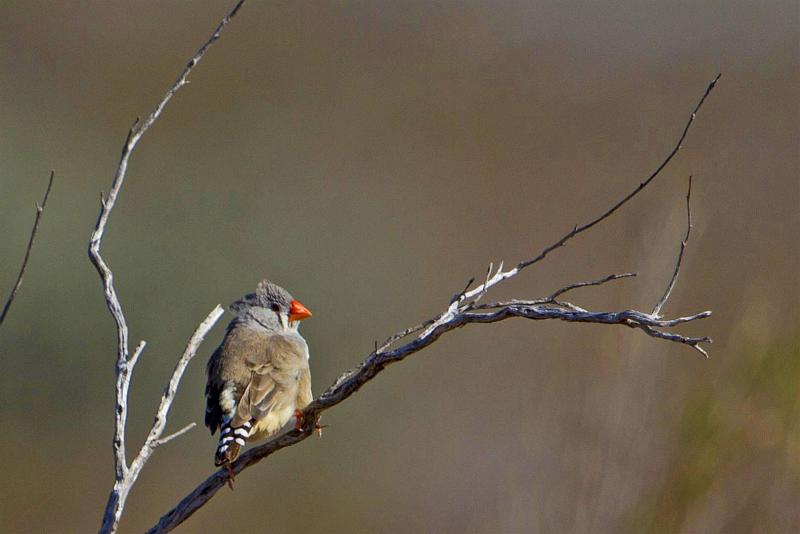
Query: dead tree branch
(462,310)
(501,275)
(125,475)
(671,285)
(21,275)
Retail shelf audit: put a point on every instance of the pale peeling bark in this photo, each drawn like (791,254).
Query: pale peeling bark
(125,475)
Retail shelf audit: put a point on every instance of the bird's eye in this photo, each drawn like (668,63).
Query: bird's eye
(274,307)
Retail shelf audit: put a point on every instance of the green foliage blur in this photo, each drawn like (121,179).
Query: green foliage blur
(730,440)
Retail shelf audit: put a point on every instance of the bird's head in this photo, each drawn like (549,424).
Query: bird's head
(272,307)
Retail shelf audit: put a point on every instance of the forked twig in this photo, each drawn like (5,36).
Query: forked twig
(125,475)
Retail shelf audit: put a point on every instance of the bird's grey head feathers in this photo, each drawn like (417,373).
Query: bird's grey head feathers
(269,295)
(268,306)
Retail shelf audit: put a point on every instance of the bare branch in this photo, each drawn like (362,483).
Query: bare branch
(379,360)
(599,282)
(578,229)
(136,353)
(552,298)
(501,275)
(129,474)
(460,295)
(657,309)
(168,396)
(174,435)
(480,294)
(21,275)
(126,475)
(456,316)
(403,333)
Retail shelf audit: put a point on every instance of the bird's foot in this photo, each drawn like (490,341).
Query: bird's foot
(231,478)
(299,418)
(299,421)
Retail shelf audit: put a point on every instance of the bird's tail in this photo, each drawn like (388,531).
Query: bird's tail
(231,440)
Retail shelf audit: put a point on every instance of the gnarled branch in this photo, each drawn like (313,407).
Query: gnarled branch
(463,309)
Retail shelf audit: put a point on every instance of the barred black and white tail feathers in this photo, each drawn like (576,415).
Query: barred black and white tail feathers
(231,440)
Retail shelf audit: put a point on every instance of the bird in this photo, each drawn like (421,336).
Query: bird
(259,376)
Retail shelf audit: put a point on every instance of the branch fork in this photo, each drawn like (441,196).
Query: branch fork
(125,474)
(464,308)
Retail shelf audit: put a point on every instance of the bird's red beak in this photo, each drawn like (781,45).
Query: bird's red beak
(298,312)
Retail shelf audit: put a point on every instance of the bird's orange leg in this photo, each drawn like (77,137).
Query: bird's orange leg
(299,419)
(231,479)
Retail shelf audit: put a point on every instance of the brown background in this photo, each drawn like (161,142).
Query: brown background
(371,157)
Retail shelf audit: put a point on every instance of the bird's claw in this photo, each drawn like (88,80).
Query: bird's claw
(299,420)
(230,480)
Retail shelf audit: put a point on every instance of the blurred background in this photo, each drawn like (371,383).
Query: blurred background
(371,157)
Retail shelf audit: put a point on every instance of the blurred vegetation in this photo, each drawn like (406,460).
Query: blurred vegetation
(752,420)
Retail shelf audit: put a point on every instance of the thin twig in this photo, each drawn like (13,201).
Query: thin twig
(579,229)
(21,275)
(552,298)
(501,275)
(171,389)
(657,309)
(125,476)
(174,435)
(403,333)
(458,296)
(485,283)
(598,282)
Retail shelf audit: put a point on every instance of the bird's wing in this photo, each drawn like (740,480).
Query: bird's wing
(228,375)
(213,389)
(276,374)
(304,394)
